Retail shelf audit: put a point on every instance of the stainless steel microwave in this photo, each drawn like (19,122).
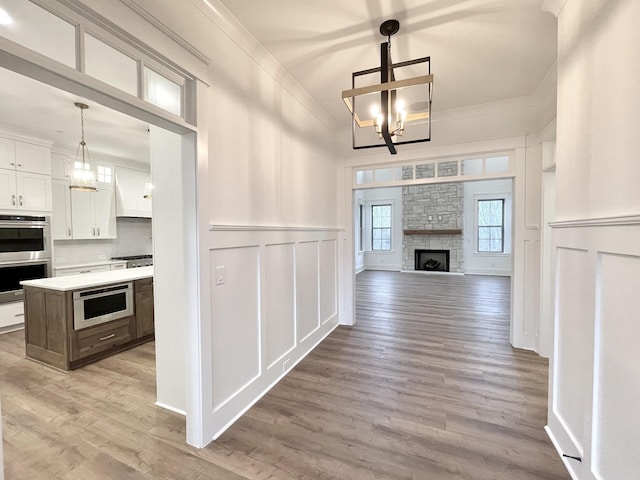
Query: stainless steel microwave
(24,238)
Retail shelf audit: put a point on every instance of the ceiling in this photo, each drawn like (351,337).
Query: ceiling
(36,109)
(481,50)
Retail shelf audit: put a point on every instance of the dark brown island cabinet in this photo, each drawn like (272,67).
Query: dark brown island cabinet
(52,339)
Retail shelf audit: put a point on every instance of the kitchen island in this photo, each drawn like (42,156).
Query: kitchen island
(75,320)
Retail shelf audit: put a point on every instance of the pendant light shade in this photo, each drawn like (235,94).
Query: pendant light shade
(83,179)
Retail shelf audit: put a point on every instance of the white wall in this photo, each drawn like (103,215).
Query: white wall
(391,260)
(487,263)
(594,386)
(173,208)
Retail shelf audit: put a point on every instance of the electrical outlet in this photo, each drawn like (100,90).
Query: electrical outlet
(440,218)
(430,218)
(220,275)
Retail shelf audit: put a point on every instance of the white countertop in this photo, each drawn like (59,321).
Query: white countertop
(87,280)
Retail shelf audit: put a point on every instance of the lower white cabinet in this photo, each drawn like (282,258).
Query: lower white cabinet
(90,268)
(11,316)
(63,272)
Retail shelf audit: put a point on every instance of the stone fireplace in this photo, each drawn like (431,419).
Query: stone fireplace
(432,219)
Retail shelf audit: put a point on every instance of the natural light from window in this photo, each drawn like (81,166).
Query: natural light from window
(491,226)
(381,227)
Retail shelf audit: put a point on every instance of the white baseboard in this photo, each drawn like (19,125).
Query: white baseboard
(488,271)
(426,272)
(565,461)
(391,268)
(360,269)
(171,409)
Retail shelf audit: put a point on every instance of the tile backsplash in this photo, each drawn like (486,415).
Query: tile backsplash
(134,238)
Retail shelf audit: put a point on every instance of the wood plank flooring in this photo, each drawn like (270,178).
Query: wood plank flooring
(425,386)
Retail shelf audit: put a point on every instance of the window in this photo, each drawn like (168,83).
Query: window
(491,226)
(381,227)
(78,165)
(361,229)
(104,174)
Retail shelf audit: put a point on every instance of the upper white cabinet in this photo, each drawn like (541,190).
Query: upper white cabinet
(82,215)
(61,215)
(61,166)
(24,157)
(130,189)
(25,182)
(93,214)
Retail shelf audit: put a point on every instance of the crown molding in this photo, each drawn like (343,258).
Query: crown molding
(554,7)
(153,20)
(218,14)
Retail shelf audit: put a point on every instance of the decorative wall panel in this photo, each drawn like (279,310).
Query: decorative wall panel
(616,410)
(307,289)
(235,322)
(279,301)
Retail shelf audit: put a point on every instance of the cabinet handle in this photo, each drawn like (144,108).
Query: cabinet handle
(93,231)
(12,164)
(19,315)
(13,200)
(21,202)
(85,271)
(68,231)
(102,339)
(98,231)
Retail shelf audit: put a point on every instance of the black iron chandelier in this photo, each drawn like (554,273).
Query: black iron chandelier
(397,110)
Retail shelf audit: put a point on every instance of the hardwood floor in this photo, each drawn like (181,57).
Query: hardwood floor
(425,386)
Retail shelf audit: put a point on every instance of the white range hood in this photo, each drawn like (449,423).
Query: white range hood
(130,201)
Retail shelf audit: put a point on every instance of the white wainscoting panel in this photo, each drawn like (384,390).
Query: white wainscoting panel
(573,336)
(328,286)
(616,415)
(279,308)
(594,386)
(265,316)
(307,289)
(235,322)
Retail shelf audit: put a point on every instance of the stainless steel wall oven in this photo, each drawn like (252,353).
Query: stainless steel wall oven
(25,253)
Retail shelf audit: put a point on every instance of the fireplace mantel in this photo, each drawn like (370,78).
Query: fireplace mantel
(433,232)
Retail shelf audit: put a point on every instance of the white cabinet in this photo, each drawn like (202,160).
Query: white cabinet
(130,190)
(61,214)
(61,166)
(82,215)
(7,153)
(11,316)
(34,191)
(25,183)
(93,214)
(33,158)
(63,272)
(24,157)
(24,191)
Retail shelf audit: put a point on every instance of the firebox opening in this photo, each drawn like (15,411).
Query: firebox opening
(432,260)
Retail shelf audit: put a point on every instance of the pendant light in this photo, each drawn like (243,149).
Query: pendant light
(148,190)
(397,109)
(82,178)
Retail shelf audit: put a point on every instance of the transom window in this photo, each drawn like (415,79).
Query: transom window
(381,227)
(491,225)
(104,174)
